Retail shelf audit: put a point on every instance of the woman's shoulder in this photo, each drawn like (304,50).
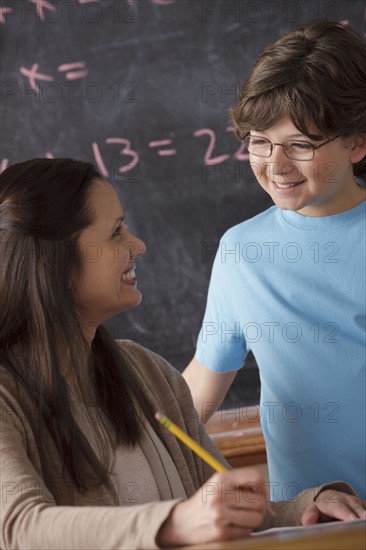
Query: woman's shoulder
(149,363)
(138,351)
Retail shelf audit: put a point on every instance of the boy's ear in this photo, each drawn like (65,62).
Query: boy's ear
(358,148)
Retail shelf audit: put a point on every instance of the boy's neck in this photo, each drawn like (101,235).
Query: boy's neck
(353,199)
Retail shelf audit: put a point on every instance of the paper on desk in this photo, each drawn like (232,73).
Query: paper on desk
(309,528)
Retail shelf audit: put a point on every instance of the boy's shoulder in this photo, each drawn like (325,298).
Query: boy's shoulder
(253,226)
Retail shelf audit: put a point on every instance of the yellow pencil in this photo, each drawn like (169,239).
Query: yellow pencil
(191,443)
(195,447)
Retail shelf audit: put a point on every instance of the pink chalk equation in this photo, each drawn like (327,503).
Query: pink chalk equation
(42,5)
(126,150)
(209,159)
(239,155)
(162,143)
(128,158)
(33,75)
(73,71)
(3,165)
(4,10)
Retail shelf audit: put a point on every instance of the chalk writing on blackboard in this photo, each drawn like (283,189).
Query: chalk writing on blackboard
(33,74)
(69,68)
(3,165)
(162,143)
(127,150)
(209,159)
(4,11)
(42,5)
(71,72)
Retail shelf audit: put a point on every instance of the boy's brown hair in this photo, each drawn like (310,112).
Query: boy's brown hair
(316,73)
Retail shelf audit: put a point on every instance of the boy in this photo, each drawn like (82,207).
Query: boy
(289,284)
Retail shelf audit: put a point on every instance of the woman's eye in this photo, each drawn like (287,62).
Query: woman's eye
(117,231)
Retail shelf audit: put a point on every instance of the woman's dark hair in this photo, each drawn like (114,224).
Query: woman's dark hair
(43,209)
(317,73)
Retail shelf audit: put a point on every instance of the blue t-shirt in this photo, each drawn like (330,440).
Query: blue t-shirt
(291,289)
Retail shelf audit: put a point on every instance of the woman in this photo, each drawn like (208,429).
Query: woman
(84,464)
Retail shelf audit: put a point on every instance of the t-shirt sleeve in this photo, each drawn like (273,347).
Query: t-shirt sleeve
(221,346)
(30,517)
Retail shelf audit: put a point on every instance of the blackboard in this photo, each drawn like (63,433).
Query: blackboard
(143,88)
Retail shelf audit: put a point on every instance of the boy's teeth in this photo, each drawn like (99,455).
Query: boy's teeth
(129,275)
(286,185)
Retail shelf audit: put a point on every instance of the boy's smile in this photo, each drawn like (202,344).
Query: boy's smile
(322,186)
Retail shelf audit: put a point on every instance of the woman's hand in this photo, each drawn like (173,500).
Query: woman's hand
(228,506)
(330,505)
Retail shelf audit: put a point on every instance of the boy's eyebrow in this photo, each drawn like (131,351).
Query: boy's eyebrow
(311,136)
(315,137)
(296,135)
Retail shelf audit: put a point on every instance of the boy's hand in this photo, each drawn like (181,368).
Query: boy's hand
(334,505)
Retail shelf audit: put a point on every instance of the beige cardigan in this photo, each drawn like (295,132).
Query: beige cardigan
(40,507)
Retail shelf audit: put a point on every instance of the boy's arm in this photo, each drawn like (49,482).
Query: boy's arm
(332,501)
(208,388)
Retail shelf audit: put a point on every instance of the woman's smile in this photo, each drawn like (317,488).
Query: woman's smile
(129,277)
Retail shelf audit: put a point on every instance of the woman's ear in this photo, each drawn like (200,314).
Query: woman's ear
(358,148)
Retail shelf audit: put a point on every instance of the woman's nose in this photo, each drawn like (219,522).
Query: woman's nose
(142,246)
(136,247)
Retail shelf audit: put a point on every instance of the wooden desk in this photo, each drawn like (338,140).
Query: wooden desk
(337,536)
(238,435)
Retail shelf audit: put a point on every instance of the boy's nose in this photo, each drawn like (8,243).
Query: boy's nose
(278,154)
(280,166)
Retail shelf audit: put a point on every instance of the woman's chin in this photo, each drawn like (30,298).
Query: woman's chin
(133,301)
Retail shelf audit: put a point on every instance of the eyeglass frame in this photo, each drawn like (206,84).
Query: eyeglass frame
(314,147)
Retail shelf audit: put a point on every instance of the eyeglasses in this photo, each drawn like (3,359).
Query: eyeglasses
(294,150)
